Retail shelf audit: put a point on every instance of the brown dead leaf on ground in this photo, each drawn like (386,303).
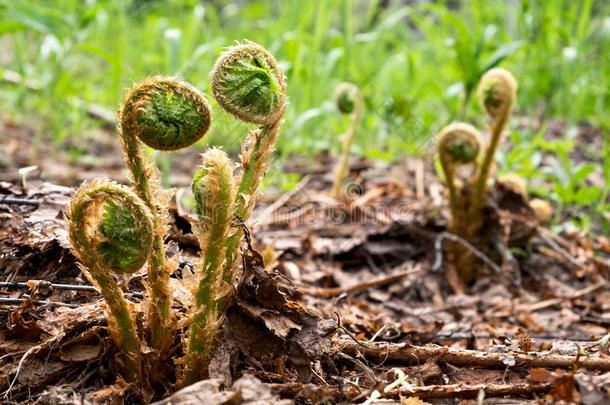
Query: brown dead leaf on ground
(546,299)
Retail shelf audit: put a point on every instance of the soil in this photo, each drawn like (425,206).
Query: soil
(350,302)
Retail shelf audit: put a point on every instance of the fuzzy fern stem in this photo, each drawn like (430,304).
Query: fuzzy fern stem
(497,93)
(247,83)
(348,100)
(111,231)
(214,191)
(458,144)
(166,114)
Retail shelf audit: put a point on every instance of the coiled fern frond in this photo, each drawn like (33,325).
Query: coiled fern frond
(497,93)
(457,144)
(248,83)
(164,113)
(461,144)
(111,231)
(348,99)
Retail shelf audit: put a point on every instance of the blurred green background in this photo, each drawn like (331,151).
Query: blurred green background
(417,63)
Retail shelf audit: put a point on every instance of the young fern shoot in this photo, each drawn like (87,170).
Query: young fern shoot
(166,114)
(348,100)
(214,191)
(497,94)
(111,231)
(248,83)
(461,143)
(458,144)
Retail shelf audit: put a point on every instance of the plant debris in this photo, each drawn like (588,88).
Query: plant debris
(344,303)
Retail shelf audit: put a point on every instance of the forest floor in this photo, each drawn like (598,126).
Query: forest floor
(353,301)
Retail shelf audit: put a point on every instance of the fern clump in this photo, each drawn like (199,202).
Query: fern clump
(115,230)
(460,144)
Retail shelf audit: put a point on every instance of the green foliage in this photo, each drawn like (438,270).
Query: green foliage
(172,115)
(553,175)
(247,83)
(425,50)
(462,151)
(251,83)
(122,242)
(414,62)
(165,113)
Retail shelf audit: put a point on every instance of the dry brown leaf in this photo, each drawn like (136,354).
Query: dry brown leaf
(413,401)
(80,352)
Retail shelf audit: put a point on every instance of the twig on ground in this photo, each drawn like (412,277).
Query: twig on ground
(19,301)
(462,336)
(438,247)
(367,371)
(556,301)
(265,216)
(550,239)
(470,391)
(44,283)
(408,354)
(361,286)
(428,391)
(20,201)
(348,333)
(21,361)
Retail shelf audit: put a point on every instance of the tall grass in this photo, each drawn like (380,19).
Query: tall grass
(416,63)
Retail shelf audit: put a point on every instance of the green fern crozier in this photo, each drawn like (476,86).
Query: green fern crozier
(163,113)
(248,83)
(111,231)
(348,100)
(461,144)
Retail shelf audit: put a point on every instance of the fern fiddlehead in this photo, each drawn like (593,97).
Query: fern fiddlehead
(348,100)
(248,83)
(458,144)
(214,191)
(497,93)
(167,114)
(111,231)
